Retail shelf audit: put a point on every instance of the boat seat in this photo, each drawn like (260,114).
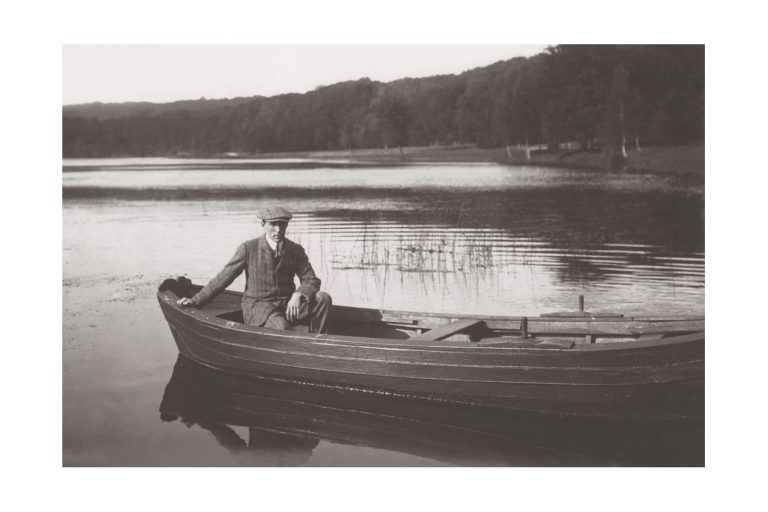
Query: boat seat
(443,331)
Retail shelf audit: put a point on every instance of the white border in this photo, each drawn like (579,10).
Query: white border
(32,38)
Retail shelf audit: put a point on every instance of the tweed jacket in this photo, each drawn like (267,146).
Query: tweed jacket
(268,279)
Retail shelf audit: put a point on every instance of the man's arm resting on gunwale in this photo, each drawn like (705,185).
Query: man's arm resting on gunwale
(224,278)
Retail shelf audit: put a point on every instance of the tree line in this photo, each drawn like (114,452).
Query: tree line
(592,95)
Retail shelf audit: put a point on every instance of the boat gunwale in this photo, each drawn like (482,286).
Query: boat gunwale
(168,299)
(510,318)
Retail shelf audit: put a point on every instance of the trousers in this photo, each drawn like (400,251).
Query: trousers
(313,314)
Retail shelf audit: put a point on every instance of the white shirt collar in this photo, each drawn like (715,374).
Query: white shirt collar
(272,244)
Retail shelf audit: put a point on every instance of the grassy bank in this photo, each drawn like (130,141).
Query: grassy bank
(459,153)
(688,159)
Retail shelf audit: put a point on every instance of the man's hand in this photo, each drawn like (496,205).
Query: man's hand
(293,307)
(186,302)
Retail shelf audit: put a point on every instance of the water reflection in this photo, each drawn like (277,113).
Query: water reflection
(286,422)
(263,448)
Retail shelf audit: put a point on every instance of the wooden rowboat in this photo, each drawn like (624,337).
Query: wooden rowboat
(574,365)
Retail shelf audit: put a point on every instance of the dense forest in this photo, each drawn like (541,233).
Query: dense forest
(607,96)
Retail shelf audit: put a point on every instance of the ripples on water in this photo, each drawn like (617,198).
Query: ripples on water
(492,238)
(478,238)
(532,266)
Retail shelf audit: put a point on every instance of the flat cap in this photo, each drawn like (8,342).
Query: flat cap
(270,213)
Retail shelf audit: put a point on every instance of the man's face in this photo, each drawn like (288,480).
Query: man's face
(275,229)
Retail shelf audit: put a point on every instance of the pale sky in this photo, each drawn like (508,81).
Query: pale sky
(116,73)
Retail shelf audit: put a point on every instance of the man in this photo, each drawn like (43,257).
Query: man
(270,262)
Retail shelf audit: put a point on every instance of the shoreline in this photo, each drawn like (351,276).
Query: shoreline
(682,160)
(685,160)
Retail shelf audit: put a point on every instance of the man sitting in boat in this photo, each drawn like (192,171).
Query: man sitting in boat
(271,298)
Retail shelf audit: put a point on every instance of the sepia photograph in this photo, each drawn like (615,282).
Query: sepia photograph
(369,255)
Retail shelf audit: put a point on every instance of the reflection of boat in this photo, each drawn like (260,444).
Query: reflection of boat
(545,365)
(287,420)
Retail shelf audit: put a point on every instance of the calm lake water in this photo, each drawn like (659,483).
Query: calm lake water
(470,238)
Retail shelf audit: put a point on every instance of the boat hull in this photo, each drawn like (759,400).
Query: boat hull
(661,378)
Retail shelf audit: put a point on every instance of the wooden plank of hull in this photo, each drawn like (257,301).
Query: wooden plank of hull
(637,355)
(411,363)
(563,398)
(683,403)
(681,399)
(639,359)
(423,408)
